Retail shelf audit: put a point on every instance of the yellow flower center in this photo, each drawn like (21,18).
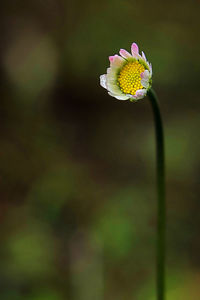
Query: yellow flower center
(129,79)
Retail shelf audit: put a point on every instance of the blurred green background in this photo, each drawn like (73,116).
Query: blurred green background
(77,167)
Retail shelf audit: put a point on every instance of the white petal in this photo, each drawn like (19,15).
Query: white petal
(103,81)
(124,53)
(145,75)
(150,67)
(145,78)
(111,81)
(114,88)
(145,83)
(111,77)
(121,97)
(112,72)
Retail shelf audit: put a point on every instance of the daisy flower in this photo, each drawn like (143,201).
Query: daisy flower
(129,76)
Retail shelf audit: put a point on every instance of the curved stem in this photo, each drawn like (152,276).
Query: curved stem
(161,219)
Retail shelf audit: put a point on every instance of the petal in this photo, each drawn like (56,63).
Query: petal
(122,97)
(140,93)
(111,73)
(111,58)
(103,79)
(114,88)
(150,67)
(144,56)
(134,49)
(124,53)
(145,83)
(145,74)
(145,78)
(133,98)
(112,84)
(116,61)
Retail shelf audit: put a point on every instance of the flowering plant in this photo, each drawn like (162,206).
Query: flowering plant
(129,75)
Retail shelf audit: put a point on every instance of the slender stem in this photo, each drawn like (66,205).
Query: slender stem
(161,219)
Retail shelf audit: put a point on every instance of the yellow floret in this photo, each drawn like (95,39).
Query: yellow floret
(129,79)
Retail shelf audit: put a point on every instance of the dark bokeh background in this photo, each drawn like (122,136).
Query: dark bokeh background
(77,177)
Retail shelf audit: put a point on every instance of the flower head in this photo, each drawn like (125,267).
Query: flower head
(129,75)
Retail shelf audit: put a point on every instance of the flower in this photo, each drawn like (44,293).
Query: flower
(129,75)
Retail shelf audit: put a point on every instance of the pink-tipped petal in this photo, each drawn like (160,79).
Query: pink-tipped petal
(140,93)
(117,61)
(124,53)
(134,49)
(111,58)
(144,56)
(103,81)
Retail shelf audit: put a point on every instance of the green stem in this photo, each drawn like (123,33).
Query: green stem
(161,219)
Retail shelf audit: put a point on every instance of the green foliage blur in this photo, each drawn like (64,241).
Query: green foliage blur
(77,167)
